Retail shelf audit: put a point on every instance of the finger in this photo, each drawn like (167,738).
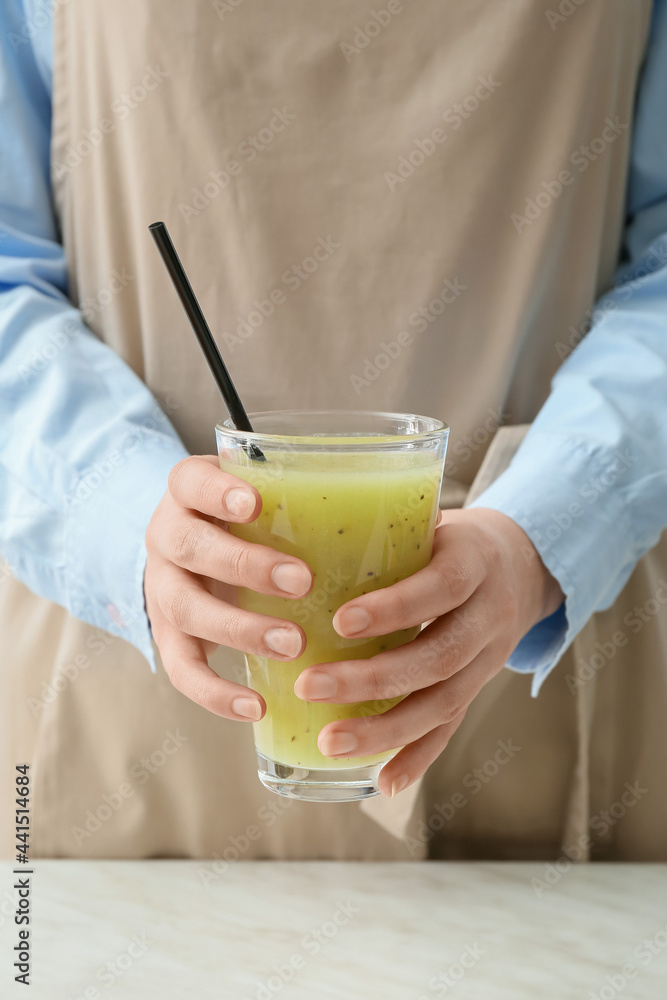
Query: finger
(437,653)
(415,759)
(198,545)
(199,483)
(186,666)
(454,573)
(413,717)
(188,605)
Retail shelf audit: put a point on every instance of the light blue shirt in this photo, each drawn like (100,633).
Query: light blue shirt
(85,450)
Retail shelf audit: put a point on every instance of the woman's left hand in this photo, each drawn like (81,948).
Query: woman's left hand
(484,588)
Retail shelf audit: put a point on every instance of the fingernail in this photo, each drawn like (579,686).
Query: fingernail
(332,744)
(247,708)
(349,621)
(286,641)
(315,685)
(239,502)
(398,784)
(291,578)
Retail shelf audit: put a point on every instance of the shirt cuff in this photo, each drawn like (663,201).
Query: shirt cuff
(108,513)
(561,493)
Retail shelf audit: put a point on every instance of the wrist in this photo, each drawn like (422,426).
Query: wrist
(539,592)
(543,592)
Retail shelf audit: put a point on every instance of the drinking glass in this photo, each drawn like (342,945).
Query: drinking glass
(355,495)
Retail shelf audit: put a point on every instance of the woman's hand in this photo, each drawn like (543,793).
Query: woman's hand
(192,570)
(484,588)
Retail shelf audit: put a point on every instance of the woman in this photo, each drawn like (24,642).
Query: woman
(456,174)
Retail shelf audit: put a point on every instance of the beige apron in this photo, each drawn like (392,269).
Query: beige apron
(368,205)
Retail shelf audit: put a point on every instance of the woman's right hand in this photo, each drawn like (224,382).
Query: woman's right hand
(193,568)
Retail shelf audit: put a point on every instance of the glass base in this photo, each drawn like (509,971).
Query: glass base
(339,785)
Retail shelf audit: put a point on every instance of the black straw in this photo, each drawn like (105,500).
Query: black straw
(237,412)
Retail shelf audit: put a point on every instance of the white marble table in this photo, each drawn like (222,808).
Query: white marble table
(304,931)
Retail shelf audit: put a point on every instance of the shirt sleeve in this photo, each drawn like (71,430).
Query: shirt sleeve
(85,450)
(589,482)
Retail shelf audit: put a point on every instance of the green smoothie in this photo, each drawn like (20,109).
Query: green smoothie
(361,522)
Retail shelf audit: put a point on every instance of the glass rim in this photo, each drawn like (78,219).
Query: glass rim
(435,430)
